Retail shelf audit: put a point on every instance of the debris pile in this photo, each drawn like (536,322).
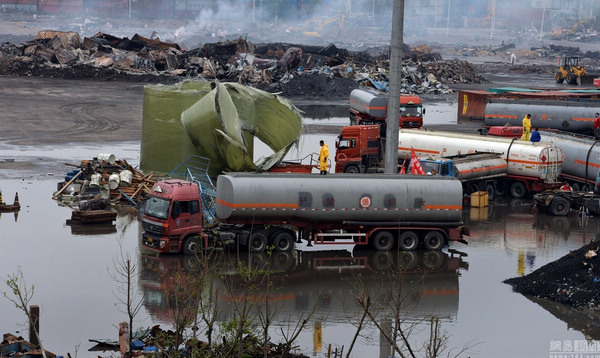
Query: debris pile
(13,346)
(267,66)
(573,280)
(583,30)
(96,184)
(153,340)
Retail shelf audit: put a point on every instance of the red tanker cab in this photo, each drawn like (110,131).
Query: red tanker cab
(176,203)
(354,142)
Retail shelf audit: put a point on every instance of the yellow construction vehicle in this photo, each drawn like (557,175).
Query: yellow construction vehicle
(569,70)
(322,22)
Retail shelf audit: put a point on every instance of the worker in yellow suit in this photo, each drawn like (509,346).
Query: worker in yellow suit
(526,127)
(323,157)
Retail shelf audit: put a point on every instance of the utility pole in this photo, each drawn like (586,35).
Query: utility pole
(391,140)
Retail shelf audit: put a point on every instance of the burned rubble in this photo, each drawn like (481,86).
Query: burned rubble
(272,67)
(572,280)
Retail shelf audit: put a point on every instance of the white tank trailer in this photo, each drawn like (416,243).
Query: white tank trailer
(532,167)
(479,166)
(566,115)
(582,156)
(338,199)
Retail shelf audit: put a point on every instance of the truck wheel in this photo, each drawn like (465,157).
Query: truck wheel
(559,77)
(518,190)
(283,241)
(408,241)
(257,242)
(191,245)
(491,191)
(559,206)
(434,240)
(383,240)
(353,169)
(576,187)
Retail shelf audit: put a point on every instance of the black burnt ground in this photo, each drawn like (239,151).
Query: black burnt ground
(573,280)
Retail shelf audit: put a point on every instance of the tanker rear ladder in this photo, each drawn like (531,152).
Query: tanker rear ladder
(195,169)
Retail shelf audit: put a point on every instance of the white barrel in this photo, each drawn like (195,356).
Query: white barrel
(105,192)
(109,158)
(113,181)
(126,177)
(95,180)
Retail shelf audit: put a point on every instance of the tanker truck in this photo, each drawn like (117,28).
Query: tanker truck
(370,107)
(255,211)
(477,171)
(531,167)
(581,165)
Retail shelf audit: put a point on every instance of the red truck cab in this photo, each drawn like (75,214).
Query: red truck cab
(172,218)
(358,149)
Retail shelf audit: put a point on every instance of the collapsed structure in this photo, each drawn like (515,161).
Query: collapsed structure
(271,67)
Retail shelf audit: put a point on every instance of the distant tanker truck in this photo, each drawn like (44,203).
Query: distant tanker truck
(255,211)
(531,167)
(370,107)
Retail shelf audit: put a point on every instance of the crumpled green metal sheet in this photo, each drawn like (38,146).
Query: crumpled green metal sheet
(220,124)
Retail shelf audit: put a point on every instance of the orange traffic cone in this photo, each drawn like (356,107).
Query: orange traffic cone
(16,198)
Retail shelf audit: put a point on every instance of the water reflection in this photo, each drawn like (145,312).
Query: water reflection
(584,321)
(322,283)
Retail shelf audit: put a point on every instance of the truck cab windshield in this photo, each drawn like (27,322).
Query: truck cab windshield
(411,111)
(157,207)
(431,168)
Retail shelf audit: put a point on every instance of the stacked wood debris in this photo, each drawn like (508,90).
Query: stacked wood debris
(96,184)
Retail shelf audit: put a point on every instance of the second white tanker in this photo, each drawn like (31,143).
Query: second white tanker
(532,167)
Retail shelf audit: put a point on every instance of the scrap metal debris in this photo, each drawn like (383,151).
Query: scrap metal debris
(267,66)
(96,185)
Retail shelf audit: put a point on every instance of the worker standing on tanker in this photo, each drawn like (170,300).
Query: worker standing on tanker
(323,157)
(597,127)
(526,127)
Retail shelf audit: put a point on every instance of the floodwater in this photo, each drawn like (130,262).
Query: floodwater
(72,269)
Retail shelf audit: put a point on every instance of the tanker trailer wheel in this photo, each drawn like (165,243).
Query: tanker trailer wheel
(283,241)
(257,242)
(576,187)
(559,206)
(491,191)
(408,241)
(518,190)
(434,240)
(353,169)
(559,77)
(383,240)
(191,245)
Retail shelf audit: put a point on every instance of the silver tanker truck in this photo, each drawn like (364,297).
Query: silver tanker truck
(255,211)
